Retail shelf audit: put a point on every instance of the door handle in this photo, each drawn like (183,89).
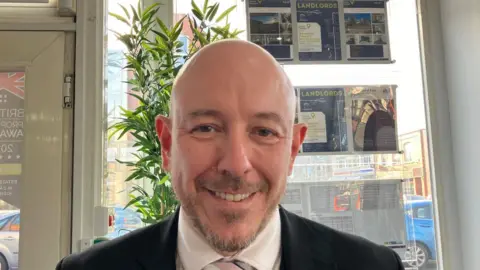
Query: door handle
(10,238)
(424,226)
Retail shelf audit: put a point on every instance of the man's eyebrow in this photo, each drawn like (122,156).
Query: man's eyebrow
(204,112)
(269,116)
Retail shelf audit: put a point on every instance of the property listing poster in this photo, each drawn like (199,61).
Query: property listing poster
(270,26)
(318,31)
(366,30)
(374,118)
(323,110)
(11,135)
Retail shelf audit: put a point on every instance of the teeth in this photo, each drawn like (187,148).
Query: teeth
(232,197)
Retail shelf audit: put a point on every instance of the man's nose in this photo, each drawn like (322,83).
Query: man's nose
(235,154)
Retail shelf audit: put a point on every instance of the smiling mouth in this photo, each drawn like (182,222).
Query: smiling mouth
(231,197)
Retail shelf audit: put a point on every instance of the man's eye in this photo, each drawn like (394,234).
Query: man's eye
(263,132)
(204,129)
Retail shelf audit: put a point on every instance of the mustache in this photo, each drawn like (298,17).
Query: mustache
(235,183)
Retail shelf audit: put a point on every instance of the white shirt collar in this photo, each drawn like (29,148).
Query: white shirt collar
(195,253)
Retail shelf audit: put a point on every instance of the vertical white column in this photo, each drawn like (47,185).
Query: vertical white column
(88,120)
(460,21)
(451,55)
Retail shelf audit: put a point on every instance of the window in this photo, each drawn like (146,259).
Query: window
(4,221)
(407,150)
(424,212)
(408,187)
(351,170)
(184,39)
(397,158)
(116,88)
(367,160)
(385,177)
(384,159)
(15,225)
(115,192)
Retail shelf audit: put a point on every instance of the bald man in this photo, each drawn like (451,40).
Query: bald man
(230,143)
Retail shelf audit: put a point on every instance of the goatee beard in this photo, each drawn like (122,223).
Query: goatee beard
(226,247)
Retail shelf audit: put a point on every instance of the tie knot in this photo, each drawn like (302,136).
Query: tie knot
(223,264)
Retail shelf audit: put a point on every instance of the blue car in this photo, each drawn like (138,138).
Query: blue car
(9,239)
(420,232)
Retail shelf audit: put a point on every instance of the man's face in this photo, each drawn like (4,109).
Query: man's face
(230,146)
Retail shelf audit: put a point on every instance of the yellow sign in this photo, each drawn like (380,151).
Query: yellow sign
(11,169)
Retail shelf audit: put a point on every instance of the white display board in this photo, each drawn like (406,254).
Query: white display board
(321,32)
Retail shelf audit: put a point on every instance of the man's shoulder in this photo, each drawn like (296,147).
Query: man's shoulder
(119,253)
(348,251)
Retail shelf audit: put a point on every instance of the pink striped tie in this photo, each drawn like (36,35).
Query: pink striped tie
(228,265)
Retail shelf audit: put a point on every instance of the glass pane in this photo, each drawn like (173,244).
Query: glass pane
(5,219)
(184,7)
(115,190)
(12,94)
(383,197)
(377,196)
(371,195)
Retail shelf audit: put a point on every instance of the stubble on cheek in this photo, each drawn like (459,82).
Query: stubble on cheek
(186,199)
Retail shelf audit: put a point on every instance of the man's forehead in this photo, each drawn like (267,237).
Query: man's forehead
(249,74)
(233,94)
(230,59)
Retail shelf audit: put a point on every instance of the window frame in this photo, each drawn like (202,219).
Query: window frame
(445,200)
(88,121)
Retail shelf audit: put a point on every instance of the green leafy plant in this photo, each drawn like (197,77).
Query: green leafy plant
(154,57)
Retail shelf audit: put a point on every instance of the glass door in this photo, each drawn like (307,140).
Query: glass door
(35,150)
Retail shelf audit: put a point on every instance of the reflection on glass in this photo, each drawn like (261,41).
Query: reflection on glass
(376,196)
(373,119)
(12,94)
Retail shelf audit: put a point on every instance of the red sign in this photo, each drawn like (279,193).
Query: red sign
(13,83)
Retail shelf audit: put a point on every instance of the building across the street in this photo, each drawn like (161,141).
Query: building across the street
(411,164)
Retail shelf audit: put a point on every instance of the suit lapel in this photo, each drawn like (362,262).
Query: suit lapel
(160,251)
(302,247)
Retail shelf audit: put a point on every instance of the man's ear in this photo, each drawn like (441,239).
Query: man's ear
(299,133)
(163,126)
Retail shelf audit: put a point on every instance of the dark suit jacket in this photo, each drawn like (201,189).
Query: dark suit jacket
(306,245)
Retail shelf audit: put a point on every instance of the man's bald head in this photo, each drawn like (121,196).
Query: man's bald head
(235,63)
